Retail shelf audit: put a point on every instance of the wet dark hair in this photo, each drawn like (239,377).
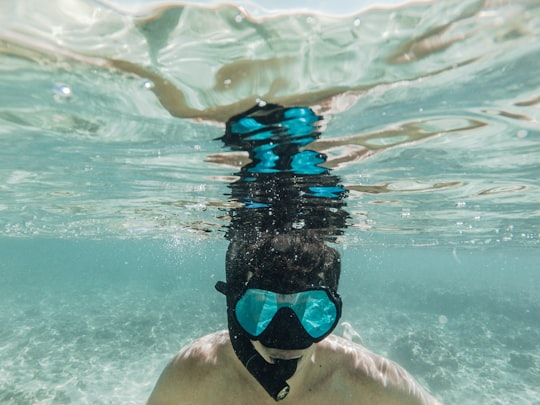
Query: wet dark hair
(283,262)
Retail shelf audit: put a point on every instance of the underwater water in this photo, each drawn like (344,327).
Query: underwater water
(114,198)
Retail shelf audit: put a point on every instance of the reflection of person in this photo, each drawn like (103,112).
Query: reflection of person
(281,289)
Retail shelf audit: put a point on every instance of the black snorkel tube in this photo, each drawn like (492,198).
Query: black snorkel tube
(272,377)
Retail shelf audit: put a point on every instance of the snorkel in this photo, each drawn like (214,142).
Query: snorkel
(272,377)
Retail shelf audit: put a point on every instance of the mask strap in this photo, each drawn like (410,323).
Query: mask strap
(222,287)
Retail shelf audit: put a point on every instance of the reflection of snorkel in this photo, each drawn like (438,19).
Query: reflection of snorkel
(283,191)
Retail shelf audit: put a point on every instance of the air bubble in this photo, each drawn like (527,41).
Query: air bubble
(299,224)
(62,93)
(356,22)
(522,133)
(197,207)
(239,18)
(148,84)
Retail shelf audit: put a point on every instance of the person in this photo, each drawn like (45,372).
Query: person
(282,304)
(281,287)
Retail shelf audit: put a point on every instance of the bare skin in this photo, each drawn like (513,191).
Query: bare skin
(334,371)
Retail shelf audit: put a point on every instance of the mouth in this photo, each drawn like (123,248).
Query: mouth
(284,355)
(281,358)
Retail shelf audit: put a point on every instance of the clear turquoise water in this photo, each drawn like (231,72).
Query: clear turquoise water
(113,200)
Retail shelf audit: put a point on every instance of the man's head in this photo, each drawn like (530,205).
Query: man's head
(282,290)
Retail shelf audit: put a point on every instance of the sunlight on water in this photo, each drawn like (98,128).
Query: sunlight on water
(114,198)
(422,125)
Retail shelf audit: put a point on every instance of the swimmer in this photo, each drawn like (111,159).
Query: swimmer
(282,305)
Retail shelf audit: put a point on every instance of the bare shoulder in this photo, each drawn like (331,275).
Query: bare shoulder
(205,350)
(197,364)
(365,370)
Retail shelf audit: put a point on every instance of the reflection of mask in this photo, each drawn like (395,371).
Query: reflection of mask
(288,321)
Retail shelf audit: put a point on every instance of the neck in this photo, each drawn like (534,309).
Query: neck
(271,376)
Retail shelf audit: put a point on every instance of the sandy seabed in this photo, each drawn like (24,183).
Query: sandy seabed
(104,338)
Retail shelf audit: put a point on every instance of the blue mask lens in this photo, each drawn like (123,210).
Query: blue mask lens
(317,310)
